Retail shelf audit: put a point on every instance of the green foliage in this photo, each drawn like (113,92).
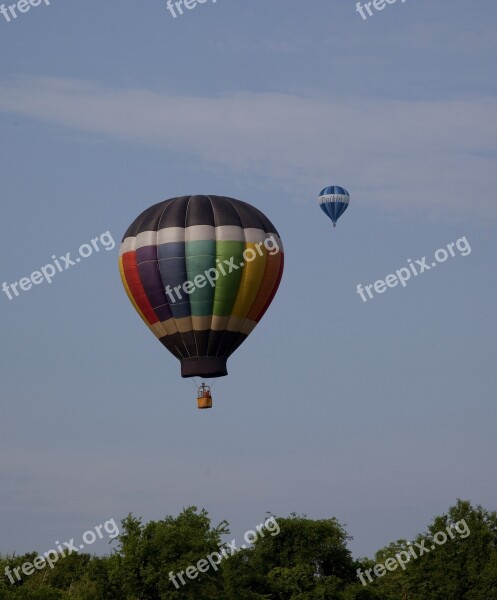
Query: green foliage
(149,553)
(464,567)
(305,560)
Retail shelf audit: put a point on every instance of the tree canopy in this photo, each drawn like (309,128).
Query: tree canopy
(288,558)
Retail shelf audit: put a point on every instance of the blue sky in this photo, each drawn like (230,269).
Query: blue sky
(379,413)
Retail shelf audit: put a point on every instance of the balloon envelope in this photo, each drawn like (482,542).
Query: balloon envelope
(334,201)
(201,271)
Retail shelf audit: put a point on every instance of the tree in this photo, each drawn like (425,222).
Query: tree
(455,559)
(151,555)
(305,560)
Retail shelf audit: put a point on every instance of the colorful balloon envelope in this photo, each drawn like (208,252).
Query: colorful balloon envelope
(201,271)
(334,201)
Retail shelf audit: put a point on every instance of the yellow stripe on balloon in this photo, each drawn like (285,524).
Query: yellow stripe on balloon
(253,273)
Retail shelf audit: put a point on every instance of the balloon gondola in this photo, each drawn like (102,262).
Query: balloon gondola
(204,396)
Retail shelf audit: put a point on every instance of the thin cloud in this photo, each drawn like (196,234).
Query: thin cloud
(434,155)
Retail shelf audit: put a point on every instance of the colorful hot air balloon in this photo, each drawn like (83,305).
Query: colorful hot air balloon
(201,271)
(334,201)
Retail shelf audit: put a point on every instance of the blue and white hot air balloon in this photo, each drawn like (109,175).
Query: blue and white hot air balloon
(334,201)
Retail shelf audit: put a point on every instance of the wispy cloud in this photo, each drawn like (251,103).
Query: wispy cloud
(433,155)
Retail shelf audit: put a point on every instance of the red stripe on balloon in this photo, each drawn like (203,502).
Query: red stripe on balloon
(136,287)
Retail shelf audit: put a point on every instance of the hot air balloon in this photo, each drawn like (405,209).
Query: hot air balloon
(334,201)
(201,271)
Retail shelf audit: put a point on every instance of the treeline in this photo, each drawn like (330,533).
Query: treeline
(292,558)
